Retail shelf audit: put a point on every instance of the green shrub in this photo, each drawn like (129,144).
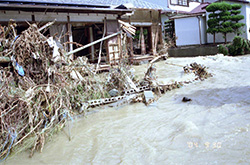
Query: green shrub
(239,46)
(223,49)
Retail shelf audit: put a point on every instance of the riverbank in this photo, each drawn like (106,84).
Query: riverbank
(211,129)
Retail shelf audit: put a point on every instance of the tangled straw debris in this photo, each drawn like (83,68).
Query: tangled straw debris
(40,88)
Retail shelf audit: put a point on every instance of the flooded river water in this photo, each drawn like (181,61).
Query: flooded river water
(211,129)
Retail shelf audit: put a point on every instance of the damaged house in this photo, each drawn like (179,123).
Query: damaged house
(77,23)
(80,22)
(146,17)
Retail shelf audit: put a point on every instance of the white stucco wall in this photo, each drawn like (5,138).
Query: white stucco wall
(189,8)
(247,21)
(187,31)
(230,36)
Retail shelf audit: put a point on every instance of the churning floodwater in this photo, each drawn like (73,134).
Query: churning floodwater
(211,129)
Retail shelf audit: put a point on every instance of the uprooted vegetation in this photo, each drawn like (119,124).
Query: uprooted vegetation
(41,88)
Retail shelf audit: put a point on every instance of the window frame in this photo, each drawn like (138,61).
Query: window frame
(178,4)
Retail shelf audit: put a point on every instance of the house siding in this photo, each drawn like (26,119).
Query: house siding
(247,21)
(5,16)
(187,31)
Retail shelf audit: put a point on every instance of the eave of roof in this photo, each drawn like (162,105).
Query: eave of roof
(198,11)
(63,9)
(136,4)
(187,16)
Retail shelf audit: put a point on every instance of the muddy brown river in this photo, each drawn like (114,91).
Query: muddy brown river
(211,129)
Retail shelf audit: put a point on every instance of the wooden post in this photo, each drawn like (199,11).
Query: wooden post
(92,47)
(160,27)
(70,36)
(131,44)
(119,39)
(153,39)
(156,38)
(143,48)
(155,30)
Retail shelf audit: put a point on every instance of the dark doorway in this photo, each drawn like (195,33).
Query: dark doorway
(81,36)
(84,35)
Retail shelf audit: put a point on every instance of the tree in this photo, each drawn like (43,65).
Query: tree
(213,22)
(224,18)
(235,18)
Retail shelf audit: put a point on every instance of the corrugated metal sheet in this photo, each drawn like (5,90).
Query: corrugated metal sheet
(129,3)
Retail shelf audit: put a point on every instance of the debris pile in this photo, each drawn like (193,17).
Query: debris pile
(34,100)
(41,88)
(199,70)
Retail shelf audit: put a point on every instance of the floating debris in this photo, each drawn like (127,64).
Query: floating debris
(199,70)
(185,99)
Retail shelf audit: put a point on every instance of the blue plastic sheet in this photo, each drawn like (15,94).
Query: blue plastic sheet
(19,69)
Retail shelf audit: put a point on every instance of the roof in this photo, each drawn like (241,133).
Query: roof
(139,4)
(199,10)
(68,6)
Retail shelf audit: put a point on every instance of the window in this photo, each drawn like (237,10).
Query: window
(179,2)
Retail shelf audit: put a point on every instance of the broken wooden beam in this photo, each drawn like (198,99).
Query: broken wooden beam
(127,27)
(92,43)
(46,25)
(126,24)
